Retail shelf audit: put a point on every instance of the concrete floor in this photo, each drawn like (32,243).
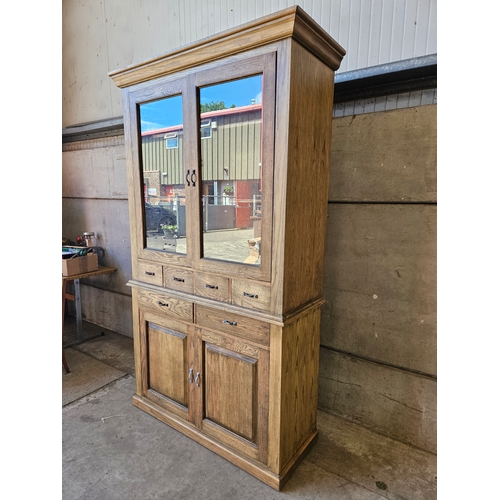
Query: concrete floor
(112,450)
(228,245)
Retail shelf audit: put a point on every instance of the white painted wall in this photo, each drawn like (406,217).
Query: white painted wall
(102,36)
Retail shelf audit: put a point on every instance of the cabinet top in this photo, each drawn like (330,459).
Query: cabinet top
(292,22)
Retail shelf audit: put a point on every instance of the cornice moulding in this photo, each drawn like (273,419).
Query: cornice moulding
(288,23)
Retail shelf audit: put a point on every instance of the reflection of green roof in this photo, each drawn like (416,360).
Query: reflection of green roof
(174,128)
(231,111)
(208,114)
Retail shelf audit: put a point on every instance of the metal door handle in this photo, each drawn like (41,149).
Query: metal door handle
(232,323)
(197,379)
(179,279)
(214,287)
(250,295)
(193,178)
(190,375)
(187,178)
(162,304)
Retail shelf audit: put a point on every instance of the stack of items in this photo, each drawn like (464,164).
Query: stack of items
(77,259)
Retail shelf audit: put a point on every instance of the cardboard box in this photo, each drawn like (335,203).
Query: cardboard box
(78,265)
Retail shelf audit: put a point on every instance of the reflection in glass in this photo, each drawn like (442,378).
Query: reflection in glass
(230,137)
(163,180)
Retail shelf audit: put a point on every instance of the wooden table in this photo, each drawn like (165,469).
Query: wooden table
(75,278)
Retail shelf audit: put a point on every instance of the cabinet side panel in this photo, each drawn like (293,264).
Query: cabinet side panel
(299,398)
(129,129)
(311,103)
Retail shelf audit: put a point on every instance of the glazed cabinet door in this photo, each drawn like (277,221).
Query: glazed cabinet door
(234,383)
(166,372)
(201,166)
(161,129)
(236,113)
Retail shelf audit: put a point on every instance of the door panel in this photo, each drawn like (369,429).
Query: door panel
(164,351)
(162,155)
(235,393)
(167,363)
(231,390)
(231,161)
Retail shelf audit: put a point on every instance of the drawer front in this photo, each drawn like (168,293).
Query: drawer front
(176,308)
(178,279)
(234,324)
(212,286)
(251,294)
(150,273)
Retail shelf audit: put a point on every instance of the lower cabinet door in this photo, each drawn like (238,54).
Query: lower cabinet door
(235,393)
(165,362)
(217,382)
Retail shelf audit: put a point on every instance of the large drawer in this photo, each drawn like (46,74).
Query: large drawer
(150,272)
(176,308)
(234,324)
(251,294)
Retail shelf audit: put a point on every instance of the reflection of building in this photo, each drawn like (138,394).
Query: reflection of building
(230,161)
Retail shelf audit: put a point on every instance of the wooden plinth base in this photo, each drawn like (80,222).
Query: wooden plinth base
(256,469)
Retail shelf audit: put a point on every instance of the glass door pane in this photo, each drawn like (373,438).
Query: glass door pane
(162,160)
(231,170)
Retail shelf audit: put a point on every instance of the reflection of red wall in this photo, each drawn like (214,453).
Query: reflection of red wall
(167,190)
(243,204)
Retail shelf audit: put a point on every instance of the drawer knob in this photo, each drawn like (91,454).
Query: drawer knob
(214,287)
(162,304)
(149,273)
(232,323)
(250,295)
(181,280)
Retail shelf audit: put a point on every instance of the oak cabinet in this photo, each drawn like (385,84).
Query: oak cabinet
(228,144)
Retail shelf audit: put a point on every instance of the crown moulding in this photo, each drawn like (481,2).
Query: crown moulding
(288,23)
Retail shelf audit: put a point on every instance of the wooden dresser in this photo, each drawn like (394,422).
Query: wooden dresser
(228,153)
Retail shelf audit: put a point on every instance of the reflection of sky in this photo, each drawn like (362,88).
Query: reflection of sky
(168,112)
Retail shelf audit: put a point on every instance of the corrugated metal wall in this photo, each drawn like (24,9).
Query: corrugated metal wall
(170,162)
(99,37)
(233,137)
(234,145)
(386,103)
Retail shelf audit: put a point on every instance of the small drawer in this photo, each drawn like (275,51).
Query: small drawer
(212,286)
(251,294)
(178,279)
(150,273)
(234,324)
(176,308)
